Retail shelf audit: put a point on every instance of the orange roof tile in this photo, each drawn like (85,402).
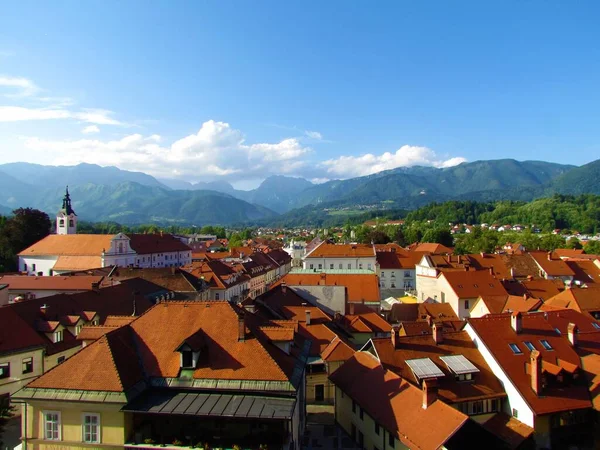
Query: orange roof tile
(472,284)
(484,385)
(396,404)
(56,283)
(579,299)
(337,350)
(509,429)
(359,286)
(496,333)
(70,245)
(327,250)
(432,248)
(555,267)
(71,262)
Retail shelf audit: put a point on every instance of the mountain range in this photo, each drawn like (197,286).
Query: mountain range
(112,194)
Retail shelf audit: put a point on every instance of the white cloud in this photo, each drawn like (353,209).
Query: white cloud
(23,86)
(216,150)
(91,129)
(314,135)
(20,113)
(405,156)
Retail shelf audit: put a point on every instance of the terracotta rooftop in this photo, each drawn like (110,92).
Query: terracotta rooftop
(509,429)
(76,263)
(327,250)
(555,267)
(579,299)
(403,413)
(496,334)
(115,363)
(337,350)
(360,287)
(56,283)
(70,244)
(586,272)
(364,320)
(485,385)
(108,364)
(144,244)
(521,265)
(472,284)
(432,248)
(15,333)
(171,278)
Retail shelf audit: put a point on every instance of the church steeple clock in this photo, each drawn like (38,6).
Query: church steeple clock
(66,219)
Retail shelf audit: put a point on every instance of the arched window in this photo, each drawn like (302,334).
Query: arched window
(71,223)
(120,247)
(61,223)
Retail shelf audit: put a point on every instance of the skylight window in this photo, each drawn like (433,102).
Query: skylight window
(529,345)
(546,344)
(557,331)
(595,325)
(515,348)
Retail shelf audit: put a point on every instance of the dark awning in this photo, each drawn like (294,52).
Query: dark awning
(212,405)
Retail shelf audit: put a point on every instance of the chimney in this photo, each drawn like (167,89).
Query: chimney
(437,333)
(512,272)
(516,321)
(351,309)
(44,309)
(322,280)
(536,371)
(95,286)
(429,320)
(572,332)
(283,287)
(549,256)
(393,335)
(430,391)
(525,296)
(307,312)
(241,327)
(482,254)
(491,271)
(458,259)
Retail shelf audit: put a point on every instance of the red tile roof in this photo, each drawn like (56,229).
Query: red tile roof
(15,333)
(337,350)
(432,248)
(472,284)
(144,244)
(396,404)
(360,287)
(496,333)
(554,267)
(579,299)
(509,429)
(485,384)
(327,250)
(365,320)
(56,283)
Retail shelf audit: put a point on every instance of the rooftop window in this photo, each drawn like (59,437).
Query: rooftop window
(546,344)
(557,331)
(529,345)
(515,348)
(595,325)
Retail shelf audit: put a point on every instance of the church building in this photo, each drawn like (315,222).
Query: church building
(67,251)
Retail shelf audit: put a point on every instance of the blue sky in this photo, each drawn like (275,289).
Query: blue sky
(242,90)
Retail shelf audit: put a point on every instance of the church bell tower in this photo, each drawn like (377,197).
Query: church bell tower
(66,219)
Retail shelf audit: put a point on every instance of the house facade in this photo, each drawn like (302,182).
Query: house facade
(329,257)
(202,375)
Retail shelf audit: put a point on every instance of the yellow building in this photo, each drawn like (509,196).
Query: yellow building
(381,411)
(181,374)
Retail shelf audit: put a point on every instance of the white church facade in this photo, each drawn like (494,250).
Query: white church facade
(67,251)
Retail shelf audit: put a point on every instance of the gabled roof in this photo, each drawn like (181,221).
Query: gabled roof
(496,333)
(579,299)
(433,248)
(327,250)
(585,271)
(360,287)
(472,284)
(108,364)
(144,244)
(509,429)
(171,278)
(554,267)
(70,244)
(365,320)
(502,303)
(15,333)
(543,289)
(337,350)
(396,404)
(57,283)
(484,384)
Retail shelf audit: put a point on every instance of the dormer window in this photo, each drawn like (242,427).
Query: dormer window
(190,350)
(58,336)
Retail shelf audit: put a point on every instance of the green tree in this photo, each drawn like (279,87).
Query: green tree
(574,243)
(592,248)
(26,227)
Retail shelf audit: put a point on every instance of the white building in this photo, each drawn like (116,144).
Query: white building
(66,219)
(326,257)
(60,253)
